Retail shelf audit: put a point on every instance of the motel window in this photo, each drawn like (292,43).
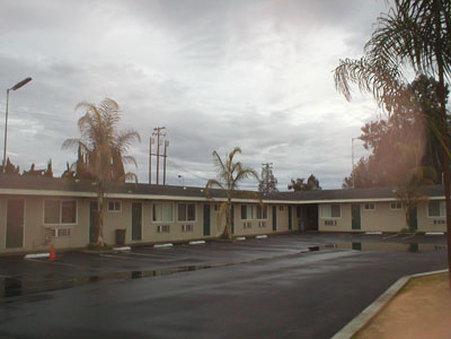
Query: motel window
(60,212)
(247,212)
(262,212)
(114,206)
(436,208)
(330,211)
(251,212)
(162,212)
(186,212)
(369,206)
(395,205)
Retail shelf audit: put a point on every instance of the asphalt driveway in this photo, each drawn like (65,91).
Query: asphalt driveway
(254,289)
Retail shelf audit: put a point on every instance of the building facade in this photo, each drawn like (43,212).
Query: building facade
(37,212)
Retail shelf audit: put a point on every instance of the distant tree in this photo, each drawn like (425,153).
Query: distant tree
(69,173)
(229,174)
(102,151)
(10,169)
(312,184)
(412,35)
(33,172)
(414,120)
(268,182)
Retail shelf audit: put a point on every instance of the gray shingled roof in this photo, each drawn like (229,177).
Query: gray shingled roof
(58,184)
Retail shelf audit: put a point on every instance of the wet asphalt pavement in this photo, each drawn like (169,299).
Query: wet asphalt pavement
(252,289)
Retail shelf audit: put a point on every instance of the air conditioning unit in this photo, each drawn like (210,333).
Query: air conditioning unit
(187,227)
(57,232)
(63,232)
(439,222)
(163,228)
(330,222)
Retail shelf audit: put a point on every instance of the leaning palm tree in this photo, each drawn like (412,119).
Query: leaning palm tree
(102,151)
(414,34)
(229,174)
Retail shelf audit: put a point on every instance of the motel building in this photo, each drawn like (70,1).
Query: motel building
(37,211)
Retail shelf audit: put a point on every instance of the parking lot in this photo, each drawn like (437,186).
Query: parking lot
(266,288)
(20,277)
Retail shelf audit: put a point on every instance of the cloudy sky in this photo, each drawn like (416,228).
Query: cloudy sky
(217,74)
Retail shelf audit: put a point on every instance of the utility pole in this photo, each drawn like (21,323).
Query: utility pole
(166,144)
(150,159)
(157,135)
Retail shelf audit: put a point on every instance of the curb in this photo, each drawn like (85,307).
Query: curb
(197,242)
(356,324)
(36,255)
(168,245)
(263,236)
(435,233)
(123,248)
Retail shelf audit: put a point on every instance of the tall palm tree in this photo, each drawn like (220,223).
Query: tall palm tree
(102,151)
(413,34)
(229,174)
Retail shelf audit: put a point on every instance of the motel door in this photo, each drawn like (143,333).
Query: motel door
(206,219)
(14,223)
(413,219)
(136,221)
(356,218)
(274,218)
(92,221)
(290,219)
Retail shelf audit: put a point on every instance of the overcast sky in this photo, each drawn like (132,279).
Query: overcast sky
(217,74)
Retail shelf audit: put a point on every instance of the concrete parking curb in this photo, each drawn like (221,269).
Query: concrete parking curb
(197,242)
(368,313)
(123,248)
(168,245)
(435,233)
(36,255)
(263,236)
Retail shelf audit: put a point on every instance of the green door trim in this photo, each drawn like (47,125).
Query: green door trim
(207,217)
(290,219)
(15,229)
(274,218)
(137,232)
(356,216)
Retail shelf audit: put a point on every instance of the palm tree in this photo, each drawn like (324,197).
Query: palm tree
(102,151)
(229,174)
(413,34)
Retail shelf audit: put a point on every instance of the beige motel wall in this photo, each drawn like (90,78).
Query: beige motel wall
(380,218)
(38,235)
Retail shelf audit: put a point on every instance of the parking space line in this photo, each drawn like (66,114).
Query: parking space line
(117,256)
(53,262)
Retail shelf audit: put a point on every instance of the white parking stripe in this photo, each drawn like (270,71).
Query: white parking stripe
(54,263)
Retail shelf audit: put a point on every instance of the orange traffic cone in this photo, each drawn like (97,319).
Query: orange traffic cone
(52,253)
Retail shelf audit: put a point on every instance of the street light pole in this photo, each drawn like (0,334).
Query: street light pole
(5,136)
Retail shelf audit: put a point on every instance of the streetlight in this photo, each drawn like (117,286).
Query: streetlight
(14,88)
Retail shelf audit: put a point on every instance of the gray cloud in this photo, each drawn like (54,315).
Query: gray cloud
(216,73)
